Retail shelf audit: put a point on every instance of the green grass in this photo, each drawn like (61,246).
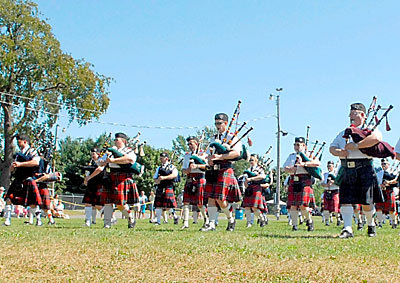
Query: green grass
(71,252)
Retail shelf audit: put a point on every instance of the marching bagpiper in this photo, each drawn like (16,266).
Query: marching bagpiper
(23,189)
(195,181)
(331,195)
(300,192)
(388,181)
(165,192)
(94,184)
(121,189)
(358,183)
(221,184)
(253,199)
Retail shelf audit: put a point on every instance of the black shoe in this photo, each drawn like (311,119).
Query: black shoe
(310,226)
(266,221)
(131,225)
(327,224)
(346,234)
(394,226)
(359,226)
(380,226)
(338,222)
(176,221)
(51,223)
(231,226)
(372,231)
(262,223)
(294,228)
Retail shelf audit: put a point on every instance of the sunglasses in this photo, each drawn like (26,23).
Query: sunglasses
(297,144)
(218,123)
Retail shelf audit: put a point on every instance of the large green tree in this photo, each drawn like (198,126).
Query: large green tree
(38,80)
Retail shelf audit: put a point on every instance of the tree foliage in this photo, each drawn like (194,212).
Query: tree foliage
(38,80)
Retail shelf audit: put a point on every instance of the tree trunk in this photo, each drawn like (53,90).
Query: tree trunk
(8,147)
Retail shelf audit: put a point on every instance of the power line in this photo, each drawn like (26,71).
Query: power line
(48,102)
(131,126)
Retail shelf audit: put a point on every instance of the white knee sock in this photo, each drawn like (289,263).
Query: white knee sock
(108,214)
(158,215)
(347,212)
(294,214)
(195,216)
(393,217)
(165,216)
(88,213)
(38,213)
(228,214)
(94,214)
(186,215)
(128,215)
(370,216)
(31,215)
(203,212)
(356,214)
(379,216)
(212,212)
(327,216)
(306,214)
(8,213)
(247,212)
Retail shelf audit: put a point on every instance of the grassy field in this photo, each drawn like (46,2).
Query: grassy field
(71,252)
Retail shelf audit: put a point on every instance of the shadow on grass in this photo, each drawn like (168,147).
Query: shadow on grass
(294,236)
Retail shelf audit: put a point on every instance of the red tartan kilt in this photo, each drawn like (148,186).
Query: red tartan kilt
(45,195)
(25,194)
(332,205)
(93,194)
(167,199)
(305,197)
(256,200)
(122,190)
(198,197)
(390,202)
(226,187)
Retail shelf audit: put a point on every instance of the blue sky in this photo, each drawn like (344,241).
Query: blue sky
(177,63)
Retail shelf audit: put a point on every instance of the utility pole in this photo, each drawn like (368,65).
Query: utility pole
(278,153)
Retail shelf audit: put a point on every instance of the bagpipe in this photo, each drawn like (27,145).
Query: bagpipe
(250,174)
(136,167)
(387,176)
(331,177)
(195,157)
(381,149)
(265,163)
(225,146)
(315,172)
(20,157)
